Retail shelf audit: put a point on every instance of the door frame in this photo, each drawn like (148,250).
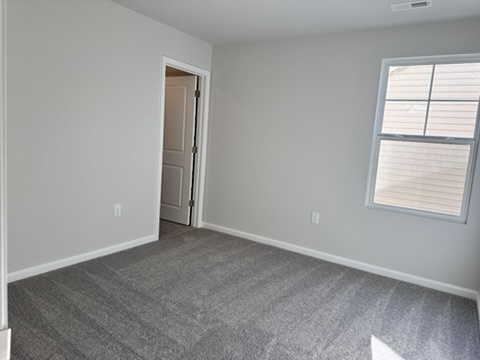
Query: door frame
(201,138)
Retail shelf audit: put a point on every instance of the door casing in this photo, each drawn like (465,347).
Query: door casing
(180,108)
(201,137)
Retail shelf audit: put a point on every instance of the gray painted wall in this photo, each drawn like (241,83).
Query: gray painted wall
(3,233)
(291,132)
(84,79)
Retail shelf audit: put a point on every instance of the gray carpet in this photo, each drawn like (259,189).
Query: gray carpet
(199,294)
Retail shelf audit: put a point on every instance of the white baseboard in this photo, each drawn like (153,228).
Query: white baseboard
(54,265)
(478,309)
(413,279)
(5,337)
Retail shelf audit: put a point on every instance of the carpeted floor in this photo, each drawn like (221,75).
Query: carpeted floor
(199,294)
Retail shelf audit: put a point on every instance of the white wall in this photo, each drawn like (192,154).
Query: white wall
(291,132)
(84,79)
(3,233)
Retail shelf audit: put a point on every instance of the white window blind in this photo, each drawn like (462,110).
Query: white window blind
(426,135)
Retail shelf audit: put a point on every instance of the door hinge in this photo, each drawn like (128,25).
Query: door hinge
(191,203)
(197,93)
(194,149)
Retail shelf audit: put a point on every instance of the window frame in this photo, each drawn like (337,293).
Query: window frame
(378,136)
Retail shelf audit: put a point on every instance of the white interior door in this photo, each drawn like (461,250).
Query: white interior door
(177,148)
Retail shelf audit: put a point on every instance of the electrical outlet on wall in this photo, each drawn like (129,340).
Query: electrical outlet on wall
(117,210)
(315,219)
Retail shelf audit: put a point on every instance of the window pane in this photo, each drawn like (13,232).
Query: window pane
(456,82)
(452,119)
(409,82)
(404,117)
(422,176)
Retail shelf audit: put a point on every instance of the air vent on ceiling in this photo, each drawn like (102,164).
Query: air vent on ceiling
(411,5)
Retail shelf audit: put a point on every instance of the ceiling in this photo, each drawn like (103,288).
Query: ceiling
(235,21)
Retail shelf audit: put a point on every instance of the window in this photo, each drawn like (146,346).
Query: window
(426,135)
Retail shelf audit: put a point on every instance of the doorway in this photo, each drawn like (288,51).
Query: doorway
(179,145)
(183,139)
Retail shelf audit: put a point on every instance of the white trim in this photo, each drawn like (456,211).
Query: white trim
(433,59)
(202,132)
(413,279)
(57,264)
(478,309)
(3,174)
(5,340)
